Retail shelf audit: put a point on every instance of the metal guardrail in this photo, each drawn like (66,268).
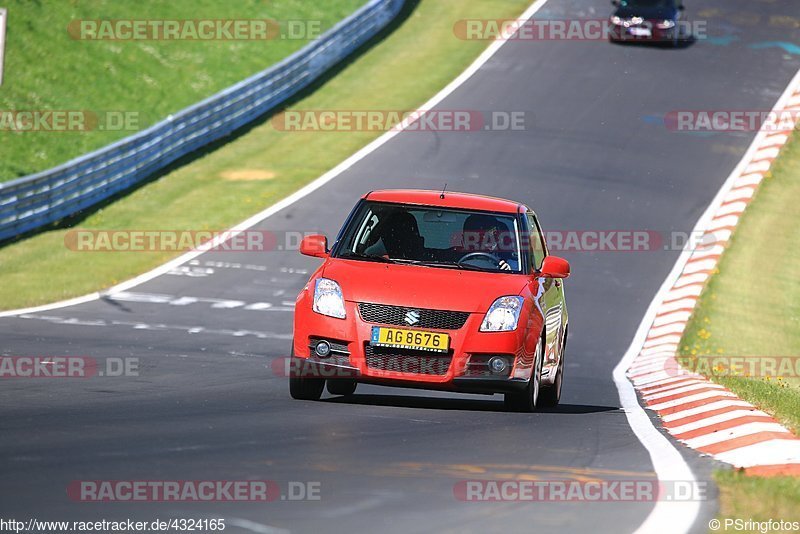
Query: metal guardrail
(33,201)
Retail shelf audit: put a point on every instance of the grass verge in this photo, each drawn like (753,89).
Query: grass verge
(410,65)
(758,499)
(48,67)
(751,308)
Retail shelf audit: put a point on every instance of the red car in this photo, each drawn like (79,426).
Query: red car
(434,290)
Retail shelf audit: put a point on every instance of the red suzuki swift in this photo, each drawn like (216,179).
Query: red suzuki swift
(433,290)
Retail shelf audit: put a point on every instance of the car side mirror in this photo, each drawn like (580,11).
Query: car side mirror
(554,267)
(314,245)
(615,3)
(681,7)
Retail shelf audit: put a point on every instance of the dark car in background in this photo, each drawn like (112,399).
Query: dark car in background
(654,21)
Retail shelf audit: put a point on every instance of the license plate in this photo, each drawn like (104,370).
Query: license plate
(409,339)
(640,32)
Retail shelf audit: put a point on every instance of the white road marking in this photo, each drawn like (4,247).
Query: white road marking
(756,166)
(672,340)
(301,193)
(658,379)
(747,429)
(776,139)
(739,194)
(673,317)
(723,222)
(716,405)
(678,391)
(715,420)
(138,325)
(690,398)
(779,451)
(676,385)
(667,461)
(749,179)
(734,208)
(700,265)
(693,279)
(712,252)
(191,272)
(669,329)
(220,304)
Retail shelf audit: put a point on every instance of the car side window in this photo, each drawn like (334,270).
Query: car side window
(538,248)
(364,237)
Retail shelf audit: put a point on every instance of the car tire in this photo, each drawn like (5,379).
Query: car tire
(341,387)
(306,388)
(303,387)
(528,399)
(550,396)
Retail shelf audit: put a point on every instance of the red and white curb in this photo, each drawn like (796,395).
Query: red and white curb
(703,415)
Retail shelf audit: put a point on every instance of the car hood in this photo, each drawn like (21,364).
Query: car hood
(421,287)
(647,13)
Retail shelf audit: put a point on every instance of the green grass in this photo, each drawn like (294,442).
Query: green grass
(418,59)
(46,69)
(751,307)
(757,498)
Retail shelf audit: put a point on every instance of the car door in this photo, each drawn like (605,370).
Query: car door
(552,298)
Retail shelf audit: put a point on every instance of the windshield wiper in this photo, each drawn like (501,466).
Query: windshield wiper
(464,266)
(383,259)
(366,257)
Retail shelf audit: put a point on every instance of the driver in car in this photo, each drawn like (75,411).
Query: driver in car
(399,237)
(485,233)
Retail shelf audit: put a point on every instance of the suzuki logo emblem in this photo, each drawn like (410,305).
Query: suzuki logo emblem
(412,317)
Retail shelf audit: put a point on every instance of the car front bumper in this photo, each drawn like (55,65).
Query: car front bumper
(459,370)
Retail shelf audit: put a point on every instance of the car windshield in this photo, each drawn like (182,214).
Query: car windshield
(647,3)
(433,237)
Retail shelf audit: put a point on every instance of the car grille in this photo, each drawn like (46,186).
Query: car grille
(395,315)
(407,361)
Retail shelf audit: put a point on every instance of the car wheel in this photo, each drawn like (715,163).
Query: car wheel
(304,387)
(341,387)
(527,400)
(551,395)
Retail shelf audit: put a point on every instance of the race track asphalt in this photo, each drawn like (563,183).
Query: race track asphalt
(595,155)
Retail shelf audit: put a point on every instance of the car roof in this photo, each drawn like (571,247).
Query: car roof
(451,199)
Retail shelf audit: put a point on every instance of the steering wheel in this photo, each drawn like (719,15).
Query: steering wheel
(487,255)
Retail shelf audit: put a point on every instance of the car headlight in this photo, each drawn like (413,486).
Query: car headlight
(503,315)
(666,24)
(617,21)
(636,20)
(328,299)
